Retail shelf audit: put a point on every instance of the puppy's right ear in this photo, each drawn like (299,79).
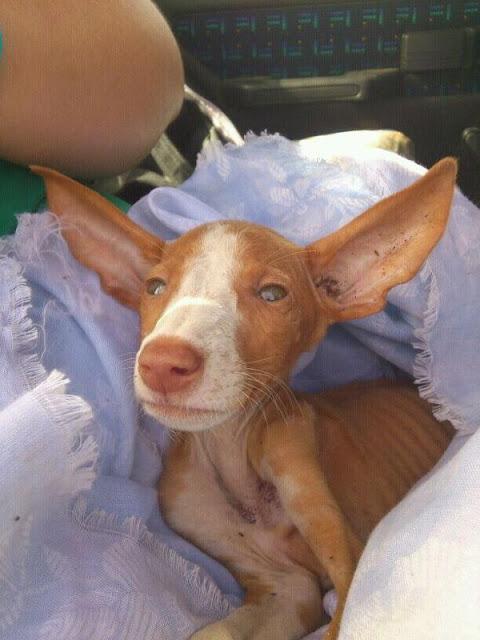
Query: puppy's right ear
(101,237)
(356,266)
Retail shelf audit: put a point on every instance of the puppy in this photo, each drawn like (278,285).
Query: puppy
(282,488)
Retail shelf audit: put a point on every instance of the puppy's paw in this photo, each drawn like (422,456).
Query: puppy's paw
(215,631)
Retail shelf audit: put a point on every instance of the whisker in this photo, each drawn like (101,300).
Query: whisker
(272,395)
(288,254)
(293,402)
(265,359)
(300,251)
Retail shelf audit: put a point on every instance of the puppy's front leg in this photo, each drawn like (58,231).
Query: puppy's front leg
(287,456)
(279,605)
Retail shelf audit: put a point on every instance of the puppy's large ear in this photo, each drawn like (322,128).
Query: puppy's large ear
(101,237)
(355,267)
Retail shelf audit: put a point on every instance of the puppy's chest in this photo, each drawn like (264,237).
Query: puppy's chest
(254,501)
(208,496)
(226,509)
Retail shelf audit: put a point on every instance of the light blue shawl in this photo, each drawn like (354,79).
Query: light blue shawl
(84,553)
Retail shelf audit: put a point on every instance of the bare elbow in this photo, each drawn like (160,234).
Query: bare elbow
(93,114)
(159,96)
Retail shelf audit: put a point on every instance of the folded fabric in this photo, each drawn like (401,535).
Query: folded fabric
(84,552)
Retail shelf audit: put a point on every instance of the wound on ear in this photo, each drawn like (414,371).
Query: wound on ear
(329,285)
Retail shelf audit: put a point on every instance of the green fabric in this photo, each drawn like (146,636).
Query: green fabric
(21,191)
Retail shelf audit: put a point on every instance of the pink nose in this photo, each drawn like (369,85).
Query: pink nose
(169,364)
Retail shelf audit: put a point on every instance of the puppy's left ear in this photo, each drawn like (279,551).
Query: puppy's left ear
(354,268)
(102,237)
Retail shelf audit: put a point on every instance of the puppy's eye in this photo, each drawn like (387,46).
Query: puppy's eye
(272,292)
(156,286)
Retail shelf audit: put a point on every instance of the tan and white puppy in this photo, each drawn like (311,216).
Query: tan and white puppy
(282,488)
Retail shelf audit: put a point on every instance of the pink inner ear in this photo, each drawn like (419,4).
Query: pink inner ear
(355,267)
(122,268)
(102,237)
(367,264)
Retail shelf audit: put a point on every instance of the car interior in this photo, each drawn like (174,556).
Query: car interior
(403,75)
(307,69)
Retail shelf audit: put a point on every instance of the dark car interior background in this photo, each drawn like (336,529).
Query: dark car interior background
(310,68)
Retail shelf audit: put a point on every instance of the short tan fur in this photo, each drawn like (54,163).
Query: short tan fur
(282,488)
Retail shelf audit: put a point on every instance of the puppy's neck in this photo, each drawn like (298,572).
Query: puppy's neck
(227,438)
(228,444)
(223,451)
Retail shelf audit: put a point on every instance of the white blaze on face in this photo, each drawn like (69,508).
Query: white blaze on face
(204,312)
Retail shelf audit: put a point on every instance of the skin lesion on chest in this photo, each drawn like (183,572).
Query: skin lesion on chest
(241,525)
(264,507)
(193,490)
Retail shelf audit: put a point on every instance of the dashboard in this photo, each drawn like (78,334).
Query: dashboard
(270,52)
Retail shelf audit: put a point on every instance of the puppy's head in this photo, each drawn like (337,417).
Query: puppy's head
(227,308)
(224,315)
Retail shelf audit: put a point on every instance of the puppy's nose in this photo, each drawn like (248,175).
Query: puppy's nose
(169,365)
